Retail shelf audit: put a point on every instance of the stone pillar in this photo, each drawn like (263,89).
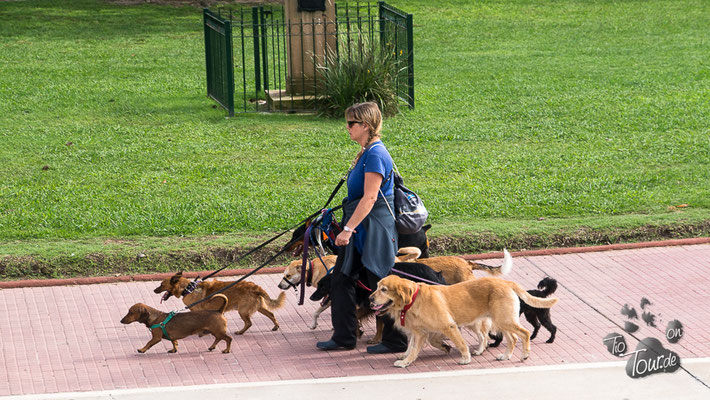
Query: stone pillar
(310,36)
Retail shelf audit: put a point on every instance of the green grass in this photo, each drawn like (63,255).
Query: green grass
(579,112)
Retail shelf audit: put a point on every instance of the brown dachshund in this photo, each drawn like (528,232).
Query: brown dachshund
(245,297)
(181,324)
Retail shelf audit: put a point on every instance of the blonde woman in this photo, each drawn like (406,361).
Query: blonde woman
(369,237)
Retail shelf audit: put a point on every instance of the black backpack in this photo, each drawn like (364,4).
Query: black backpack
(409,211)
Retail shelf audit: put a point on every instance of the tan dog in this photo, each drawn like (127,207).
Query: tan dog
(315,272)
(181,325)
(432,312)
(455,269)
(317,269)
(245,297)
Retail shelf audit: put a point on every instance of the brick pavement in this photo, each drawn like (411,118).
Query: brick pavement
(68,338)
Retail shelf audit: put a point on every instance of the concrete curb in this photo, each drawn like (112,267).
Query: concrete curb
(277,270)
(593,381)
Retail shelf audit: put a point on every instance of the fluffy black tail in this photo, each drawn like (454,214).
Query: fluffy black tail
(547,286)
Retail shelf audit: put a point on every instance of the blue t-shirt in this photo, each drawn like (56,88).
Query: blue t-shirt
(376,158)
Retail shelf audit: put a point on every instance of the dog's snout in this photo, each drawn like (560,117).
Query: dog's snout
(158,289)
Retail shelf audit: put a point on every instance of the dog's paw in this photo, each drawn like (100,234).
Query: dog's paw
(524,356)
(401,364)
(314,325)
(210,349)
(225,351)
(172,351)
(141,351)
(502,357)
(275,328)
(464,360)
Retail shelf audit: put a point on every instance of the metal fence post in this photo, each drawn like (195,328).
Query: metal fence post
(208,59)
(229,66)
(264,52)
(410,56)
(255,31)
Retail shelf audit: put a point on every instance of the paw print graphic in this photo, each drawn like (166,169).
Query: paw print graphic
(650,356)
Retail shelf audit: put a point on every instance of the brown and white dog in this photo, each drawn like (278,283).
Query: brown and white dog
(245,297)
(317,269)
(427,312)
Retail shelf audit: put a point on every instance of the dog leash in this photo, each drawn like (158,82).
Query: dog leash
(416,277)
(252,272)
(193,284)
(304,258)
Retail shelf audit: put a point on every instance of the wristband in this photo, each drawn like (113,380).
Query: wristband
(347,229)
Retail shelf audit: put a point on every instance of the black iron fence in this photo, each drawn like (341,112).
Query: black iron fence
(218,55)
(272,63)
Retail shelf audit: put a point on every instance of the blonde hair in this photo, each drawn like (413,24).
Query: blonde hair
(369,114)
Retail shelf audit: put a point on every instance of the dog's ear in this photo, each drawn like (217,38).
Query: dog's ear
(176,278)
(142,313)
(405,292)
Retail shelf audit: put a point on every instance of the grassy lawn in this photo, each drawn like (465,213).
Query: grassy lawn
(536,121)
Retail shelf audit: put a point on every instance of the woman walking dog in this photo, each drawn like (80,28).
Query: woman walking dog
(369,236)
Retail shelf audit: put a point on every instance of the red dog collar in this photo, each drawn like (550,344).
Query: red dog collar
(406,308)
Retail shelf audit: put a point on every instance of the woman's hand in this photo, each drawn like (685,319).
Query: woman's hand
(343,238)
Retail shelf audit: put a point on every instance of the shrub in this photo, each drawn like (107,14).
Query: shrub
(362,70)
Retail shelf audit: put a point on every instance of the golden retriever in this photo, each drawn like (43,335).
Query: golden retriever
(427,312)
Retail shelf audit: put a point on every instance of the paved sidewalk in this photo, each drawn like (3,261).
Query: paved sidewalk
(69,339)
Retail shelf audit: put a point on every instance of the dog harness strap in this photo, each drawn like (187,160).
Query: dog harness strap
(406,308)
(162,324)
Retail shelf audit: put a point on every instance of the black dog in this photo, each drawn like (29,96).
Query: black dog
(413,271)
(536,316)
(295,245)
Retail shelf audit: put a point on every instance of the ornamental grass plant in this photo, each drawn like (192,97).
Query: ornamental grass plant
(362,69)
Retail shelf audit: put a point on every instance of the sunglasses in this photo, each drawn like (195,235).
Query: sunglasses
(351,123)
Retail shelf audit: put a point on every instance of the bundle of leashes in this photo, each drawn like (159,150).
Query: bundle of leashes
(306,220)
